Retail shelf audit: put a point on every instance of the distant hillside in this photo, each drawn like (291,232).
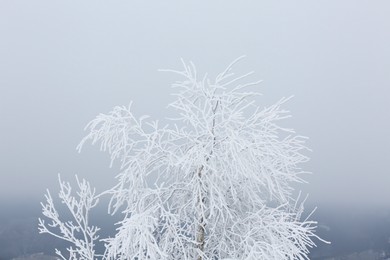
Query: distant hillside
(20,237)
(365,255)
(38,256)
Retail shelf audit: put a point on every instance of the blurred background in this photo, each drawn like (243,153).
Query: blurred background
(64,62)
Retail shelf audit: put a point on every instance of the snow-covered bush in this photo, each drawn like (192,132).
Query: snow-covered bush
(216,183)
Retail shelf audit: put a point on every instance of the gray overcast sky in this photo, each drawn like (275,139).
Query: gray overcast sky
(63,62)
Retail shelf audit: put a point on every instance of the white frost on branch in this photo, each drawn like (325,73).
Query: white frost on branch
(78,230)
(214,185)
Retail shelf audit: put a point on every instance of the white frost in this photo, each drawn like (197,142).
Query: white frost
(214,185)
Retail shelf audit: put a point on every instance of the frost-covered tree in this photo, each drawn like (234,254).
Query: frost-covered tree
(215,183)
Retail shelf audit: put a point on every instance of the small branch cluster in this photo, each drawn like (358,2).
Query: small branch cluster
(78,230)
(201,188)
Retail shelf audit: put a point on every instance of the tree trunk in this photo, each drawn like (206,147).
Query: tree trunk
(200,232)
(201,229)
(201,238)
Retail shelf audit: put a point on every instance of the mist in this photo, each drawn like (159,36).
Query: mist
(63,63)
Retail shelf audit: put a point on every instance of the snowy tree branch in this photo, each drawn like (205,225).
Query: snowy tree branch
(201,188)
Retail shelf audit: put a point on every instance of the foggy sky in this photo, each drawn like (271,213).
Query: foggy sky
(64,62)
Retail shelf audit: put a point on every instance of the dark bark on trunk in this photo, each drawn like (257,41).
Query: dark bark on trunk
(200,232)
(201,229)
